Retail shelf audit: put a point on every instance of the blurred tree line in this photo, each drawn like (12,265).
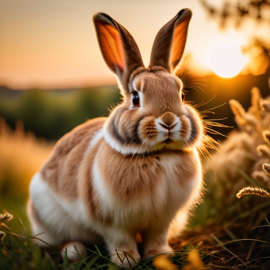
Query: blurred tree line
(52,113)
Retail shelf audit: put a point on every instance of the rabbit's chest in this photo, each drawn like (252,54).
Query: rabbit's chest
(144,185)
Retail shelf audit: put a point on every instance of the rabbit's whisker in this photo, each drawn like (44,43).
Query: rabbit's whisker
(204,103)
(216,107)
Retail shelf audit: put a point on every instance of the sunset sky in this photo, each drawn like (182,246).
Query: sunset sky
(52,43)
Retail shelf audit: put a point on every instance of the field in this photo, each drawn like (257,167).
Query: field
(224,232)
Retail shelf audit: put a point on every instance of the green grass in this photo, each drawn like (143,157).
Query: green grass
(224,235)
(19,252)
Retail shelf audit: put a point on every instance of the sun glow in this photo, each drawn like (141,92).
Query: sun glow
(227,60)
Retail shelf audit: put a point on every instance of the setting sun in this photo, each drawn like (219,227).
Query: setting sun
(227,60)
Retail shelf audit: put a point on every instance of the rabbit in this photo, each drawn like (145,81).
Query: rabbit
(138,171)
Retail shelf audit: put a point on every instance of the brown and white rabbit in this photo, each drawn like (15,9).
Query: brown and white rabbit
(137,171)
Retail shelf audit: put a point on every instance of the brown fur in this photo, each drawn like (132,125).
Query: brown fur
(185,128)
(160,88)
(124,192)
(60,171)
(86,189)
(135,127)
(168,118)
(115,42)
(161,91)
(170,41)
(148,129)
(130,177)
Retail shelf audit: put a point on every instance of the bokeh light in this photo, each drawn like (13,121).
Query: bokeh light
(227,60)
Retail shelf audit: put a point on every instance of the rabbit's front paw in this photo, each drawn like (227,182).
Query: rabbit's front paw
(128,259)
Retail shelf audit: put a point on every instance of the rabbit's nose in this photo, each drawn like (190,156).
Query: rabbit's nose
(168,120)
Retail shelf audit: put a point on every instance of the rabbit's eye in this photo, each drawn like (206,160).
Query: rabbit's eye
(136,99)
(183,97)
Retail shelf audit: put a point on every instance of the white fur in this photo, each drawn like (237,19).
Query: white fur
(65,220)
(175,130)
(69,221)
(162,136)
(194,191)
(134,84)
(162,132)
(134,211)
(141,211)
(124,150)
(175,121)
(150,213)
(97,136)
(99,185)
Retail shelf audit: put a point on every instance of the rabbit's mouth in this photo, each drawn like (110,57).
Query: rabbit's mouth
(168,140)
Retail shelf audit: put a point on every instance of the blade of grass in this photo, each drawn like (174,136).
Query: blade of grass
(37,234)
(251,180)
(118,256)
(16,235)
(221,244)
(260,227)
(65,261)
(92,261)
(145,262)
(266,220)
(127,259)
(51,245)
(81,256)
(47,244)
(99,254)
(247,213)
(22,228)
(247,239)
(97,250)
(15,244)
(232,236)
(102,266)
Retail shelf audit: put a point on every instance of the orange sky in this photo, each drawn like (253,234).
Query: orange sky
(52,43)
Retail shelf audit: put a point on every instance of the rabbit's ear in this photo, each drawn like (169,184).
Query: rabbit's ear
(118,47)
(170,41)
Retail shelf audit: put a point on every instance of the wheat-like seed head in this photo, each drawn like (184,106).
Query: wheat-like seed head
(241,116)
(5,218)
(263,150)
(266,136)
(266,168)
(265,105)
(253,191)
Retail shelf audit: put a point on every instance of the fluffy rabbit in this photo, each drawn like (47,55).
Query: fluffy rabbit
(137,171)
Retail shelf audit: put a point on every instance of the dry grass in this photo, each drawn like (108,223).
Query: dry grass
(21,155)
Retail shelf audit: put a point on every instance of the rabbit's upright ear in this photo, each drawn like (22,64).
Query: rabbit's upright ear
(170,41)
(118,47)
